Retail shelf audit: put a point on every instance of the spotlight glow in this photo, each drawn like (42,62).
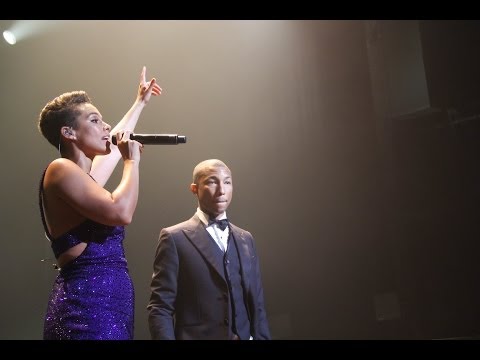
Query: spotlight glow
(9,37)
(23,29)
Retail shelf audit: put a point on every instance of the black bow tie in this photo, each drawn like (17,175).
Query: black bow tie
(222,224)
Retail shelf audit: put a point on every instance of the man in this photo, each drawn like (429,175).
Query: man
(206,282)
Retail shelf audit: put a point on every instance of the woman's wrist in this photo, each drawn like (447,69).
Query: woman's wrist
(130,162)
(139,103)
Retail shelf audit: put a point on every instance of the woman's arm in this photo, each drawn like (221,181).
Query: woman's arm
(103,166)
(66,182)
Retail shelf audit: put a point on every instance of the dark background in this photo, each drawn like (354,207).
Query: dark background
(353,147)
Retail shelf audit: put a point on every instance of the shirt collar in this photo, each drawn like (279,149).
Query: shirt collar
(204,217)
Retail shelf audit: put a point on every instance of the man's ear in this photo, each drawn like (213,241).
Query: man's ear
(194,188)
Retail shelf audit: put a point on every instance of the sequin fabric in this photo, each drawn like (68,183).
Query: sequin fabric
(92,296)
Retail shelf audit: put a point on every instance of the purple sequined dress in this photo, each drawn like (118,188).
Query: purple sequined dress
(93,296)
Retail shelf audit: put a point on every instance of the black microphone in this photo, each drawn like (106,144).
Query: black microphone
(155,139)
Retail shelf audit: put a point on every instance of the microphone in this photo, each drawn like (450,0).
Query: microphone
(155,139)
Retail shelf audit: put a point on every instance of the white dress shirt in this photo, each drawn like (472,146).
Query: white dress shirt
(220,236)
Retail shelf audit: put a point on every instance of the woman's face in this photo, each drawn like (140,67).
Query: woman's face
(92,135)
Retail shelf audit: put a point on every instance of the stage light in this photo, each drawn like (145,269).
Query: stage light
(9,37)
(22,29)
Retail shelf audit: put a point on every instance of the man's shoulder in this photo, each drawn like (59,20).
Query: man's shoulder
(177,227)
(239,230)
(184,225)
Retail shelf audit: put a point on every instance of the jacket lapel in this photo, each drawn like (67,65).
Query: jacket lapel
(200,239)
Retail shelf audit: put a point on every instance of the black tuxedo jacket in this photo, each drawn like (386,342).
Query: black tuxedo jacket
(189,293)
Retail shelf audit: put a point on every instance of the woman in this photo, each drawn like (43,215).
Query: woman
(93,295)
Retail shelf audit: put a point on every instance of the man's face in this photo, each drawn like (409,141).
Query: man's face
(214,190)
